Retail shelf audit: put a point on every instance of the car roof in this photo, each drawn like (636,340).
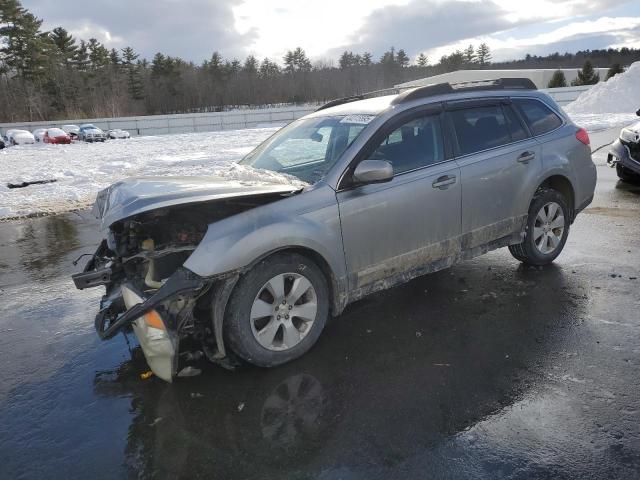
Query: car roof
(408,97)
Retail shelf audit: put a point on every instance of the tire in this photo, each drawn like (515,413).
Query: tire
(542,250)
(252,290)
(627,175)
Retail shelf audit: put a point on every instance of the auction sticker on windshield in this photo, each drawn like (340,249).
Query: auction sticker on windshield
(361,119)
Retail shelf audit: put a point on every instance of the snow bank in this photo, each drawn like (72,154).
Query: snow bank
(620,94)
(82,169)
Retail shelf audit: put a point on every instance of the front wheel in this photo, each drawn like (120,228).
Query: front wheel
(277,310)
(547,229)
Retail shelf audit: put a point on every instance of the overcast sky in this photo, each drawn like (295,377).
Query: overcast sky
(193,29)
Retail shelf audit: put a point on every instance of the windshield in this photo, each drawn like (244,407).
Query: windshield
(55,132)
(308,148)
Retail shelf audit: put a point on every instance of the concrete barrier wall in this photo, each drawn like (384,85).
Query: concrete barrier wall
(232,120)
(182,123)
(565,95)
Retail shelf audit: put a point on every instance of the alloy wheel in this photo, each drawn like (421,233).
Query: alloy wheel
(283,311)
(548,228)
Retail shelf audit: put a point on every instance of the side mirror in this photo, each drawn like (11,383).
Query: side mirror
(373,171)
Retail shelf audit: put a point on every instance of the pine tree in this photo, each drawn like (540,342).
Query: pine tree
(269,69)
(402,58)
(483,54)
(615,69)
(289,62)
(470,55)
(98,54)
(388,57)
(422,60)
(367,59)
(66,45)
(586,76)
(557,80)
(133,72)
(251,66)
(26,50)
(303,64)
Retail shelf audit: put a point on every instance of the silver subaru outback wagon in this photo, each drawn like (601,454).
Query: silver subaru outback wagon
(361,195)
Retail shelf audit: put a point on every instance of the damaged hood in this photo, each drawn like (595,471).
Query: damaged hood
(133,196)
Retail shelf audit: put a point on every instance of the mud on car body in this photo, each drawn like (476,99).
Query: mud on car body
(624,153)
(361,195)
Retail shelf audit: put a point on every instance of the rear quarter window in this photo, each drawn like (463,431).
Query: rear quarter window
(540,118)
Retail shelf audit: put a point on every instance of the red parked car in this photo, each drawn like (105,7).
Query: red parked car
(56,135)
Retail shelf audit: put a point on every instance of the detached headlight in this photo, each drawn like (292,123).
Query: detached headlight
(629,136)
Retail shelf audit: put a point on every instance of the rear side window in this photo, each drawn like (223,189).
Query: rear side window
(540,118)
(480,128)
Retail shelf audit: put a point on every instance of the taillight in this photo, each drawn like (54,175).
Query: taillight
(583,136)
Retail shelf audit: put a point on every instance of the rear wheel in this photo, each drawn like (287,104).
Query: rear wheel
(277,310)
(627,175)
(547,229)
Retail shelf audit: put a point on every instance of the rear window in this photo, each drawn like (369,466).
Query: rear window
(480,128)
(540,118)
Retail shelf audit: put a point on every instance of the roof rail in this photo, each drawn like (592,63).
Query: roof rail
(413,92)
(373,94)
(476,85)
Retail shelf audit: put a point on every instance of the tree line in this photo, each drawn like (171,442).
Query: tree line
(49,75)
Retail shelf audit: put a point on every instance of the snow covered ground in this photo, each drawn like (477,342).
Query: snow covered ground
(82,169)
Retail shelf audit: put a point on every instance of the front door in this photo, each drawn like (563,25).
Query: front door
(397,230)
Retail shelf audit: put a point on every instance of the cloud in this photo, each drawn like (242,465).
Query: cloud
(188,29)
(603,32)
(422,25)
(439,27)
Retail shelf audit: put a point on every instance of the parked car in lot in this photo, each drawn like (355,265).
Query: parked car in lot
(117,133)
(90,133)
(71,130)
(2,145)
(624,153)
(38,134)
(19,137)
(56,136)
(385,189)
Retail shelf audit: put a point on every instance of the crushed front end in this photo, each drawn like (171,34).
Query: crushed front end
(147,288)
(153,226)
(625,151)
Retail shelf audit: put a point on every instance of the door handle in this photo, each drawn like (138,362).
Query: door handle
(526,157)
(443,182)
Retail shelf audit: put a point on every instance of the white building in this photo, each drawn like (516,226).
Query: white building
(540,76)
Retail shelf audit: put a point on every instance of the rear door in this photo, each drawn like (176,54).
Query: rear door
(399,229)
(499,161)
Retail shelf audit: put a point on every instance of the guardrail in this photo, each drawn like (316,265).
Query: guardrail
(181,123)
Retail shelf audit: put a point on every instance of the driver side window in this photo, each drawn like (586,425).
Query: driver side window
(415,144)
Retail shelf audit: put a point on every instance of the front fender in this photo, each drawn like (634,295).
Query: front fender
(309,220)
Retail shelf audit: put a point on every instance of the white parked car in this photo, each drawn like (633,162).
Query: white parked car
(38,134)
(117,133)
(71,130)
(19,137)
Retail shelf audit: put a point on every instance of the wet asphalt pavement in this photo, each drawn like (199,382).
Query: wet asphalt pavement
(487,370)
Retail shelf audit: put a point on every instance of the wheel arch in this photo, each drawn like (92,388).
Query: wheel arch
(337,292)
(563,185)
